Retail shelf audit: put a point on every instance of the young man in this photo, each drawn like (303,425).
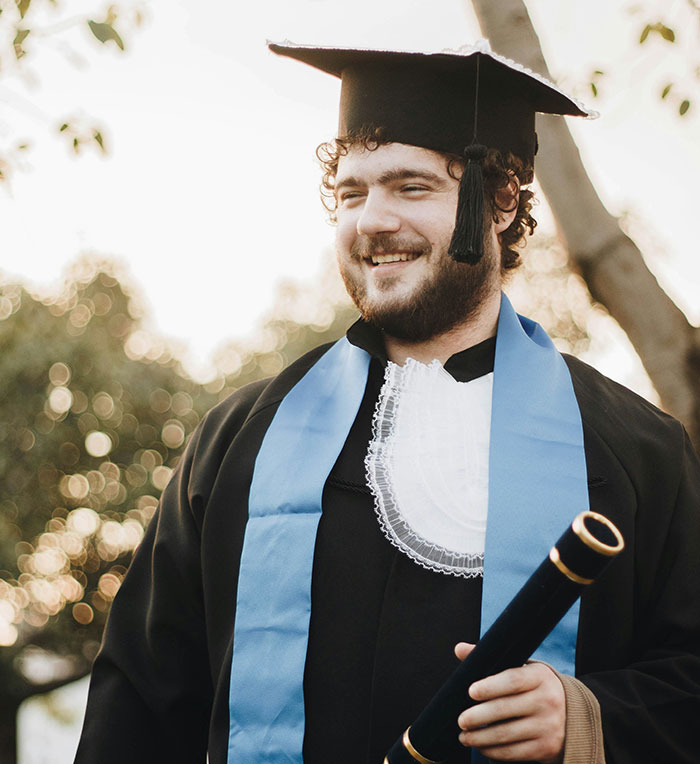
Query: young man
(333,533)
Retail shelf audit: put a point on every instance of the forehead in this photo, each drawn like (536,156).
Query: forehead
(369,164)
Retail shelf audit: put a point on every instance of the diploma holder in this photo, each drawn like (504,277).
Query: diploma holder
(574,562)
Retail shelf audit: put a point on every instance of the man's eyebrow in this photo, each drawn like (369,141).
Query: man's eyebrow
(391,176)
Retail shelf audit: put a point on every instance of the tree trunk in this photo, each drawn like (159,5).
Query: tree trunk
(8,730)
(609,261)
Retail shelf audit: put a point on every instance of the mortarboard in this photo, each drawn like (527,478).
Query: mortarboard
(460,102)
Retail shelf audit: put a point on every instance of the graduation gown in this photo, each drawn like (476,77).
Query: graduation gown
(382,627)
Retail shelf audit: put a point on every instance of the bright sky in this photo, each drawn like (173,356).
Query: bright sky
(209,193)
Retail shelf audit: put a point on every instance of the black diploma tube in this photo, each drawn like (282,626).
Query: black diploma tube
(575,561)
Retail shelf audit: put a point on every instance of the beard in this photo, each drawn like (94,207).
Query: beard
(450,294)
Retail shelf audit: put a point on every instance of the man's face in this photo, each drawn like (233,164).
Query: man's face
(396,210)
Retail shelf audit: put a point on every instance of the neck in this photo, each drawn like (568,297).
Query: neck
(478,328)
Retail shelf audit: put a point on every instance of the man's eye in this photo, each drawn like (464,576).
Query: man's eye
(348,196)
(412,187)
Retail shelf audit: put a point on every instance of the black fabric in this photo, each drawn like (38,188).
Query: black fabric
(428,100)
(382,627)
(464,366)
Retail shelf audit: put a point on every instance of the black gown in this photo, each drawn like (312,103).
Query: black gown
(382,627)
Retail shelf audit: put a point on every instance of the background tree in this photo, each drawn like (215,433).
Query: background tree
(608,260)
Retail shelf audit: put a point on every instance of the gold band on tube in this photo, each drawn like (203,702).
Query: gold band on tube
(554,557)
(579,528)
(408,745)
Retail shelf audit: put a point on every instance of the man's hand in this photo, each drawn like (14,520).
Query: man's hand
(525,710)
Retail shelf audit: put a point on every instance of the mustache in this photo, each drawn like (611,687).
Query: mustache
(366,246)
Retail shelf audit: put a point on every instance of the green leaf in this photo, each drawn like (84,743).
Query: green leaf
(97,135)
(105,32)
(22,147)
(63,127)
(683,108)
(667,33)
(598,72)
(21,36)
(666,90)
(22,7)
(645,33)
(76,144)
(594,89)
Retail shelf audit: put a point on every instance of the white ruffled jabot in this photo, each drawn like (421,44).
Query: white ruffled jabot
(428,465)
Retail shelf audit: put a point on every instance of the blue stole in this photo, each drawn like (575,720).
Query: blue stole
(537,484)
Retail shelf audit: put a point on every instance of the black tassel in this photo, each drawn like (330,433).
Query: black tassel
(467,245)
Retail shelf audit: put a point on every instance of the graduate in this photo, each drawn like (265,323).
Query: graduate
(335,539)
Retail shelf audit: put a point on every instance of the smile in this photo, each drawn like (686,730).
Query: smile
(394,257)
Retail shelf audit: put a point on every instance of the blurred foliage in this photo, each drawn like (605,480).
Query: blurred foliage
(546,289)
(27,26)
(94,416)
(88,438)
(676,24)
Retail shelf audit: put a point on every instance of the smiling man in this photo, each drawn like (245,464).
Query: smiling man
(396,206)
(335,539)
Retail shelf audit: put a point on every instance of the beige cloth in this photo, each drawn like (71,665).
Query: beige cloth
(583,742)
(584,730)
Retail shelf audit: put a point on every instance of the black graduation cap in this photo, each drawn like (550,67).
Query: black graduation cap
(459,102)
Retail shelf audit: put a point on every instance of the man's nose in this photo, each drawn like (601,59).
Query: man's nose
(378,216)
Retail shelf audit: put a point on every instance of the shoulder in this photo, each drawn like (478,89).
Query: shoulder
(224,421)
(634,429)
(611,397)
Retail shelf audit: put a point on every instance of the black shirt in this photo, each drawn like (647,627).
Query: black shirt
(383,628)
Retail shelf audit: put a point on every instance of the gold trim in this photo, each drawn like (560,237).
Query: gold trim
(408,745)
(554,557)
(579,528)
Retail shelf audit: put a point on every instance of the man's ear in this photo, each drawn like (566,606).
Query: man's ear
(506,201)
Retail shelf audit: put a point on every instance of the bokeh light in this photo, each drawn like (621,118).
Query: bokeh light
(59,374)
(83,613)
(173,433)
(98,443)
(60,399)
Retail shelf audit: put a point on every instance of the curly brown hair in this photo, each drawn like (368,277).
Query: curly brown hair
(498,171)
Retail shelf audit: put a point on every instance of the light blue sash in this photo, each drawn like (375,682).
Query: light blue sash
(537,483)
(537,471)
(266,700)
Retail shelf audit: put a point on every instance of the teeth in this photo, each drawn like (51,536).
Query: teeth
(393,258)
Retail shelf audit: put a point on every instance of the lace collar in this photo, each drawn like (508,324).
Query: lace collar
(427,465)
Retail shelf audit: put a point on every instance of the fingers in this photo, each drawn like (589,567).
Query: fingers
(500,735)
(511,682)
(496,711)
(521,715)
(462,649)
